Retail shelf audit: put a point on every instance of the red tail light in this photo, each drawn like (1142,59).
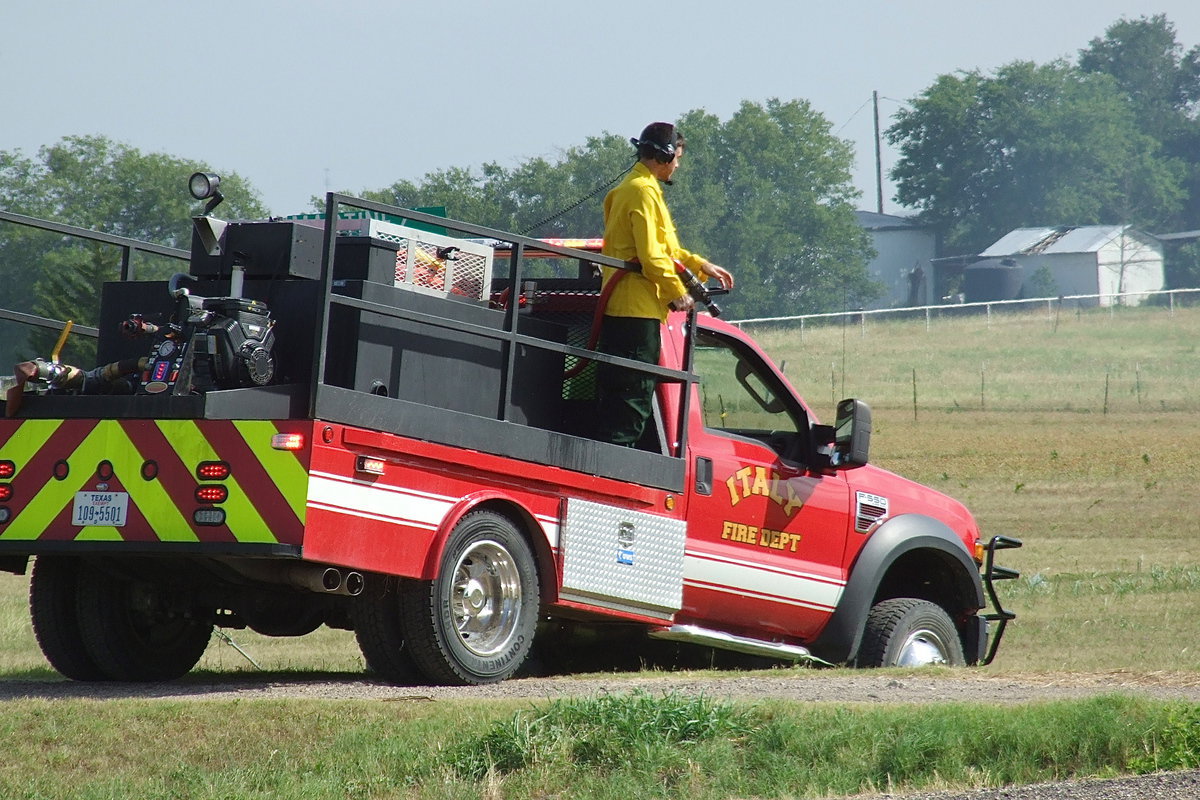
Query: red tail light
(212,470)
(211,494)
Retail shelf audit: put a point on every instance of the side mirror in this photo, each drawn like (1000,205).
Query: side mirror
(852,434)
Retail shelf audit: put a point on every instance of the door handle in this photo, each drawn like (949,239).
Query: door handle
(704,475)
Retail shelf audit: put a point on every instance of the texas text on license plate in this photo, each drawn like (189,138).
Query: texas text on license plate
(100,508)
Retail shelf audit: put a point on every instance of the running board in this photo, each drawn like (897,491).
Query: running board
(693,634)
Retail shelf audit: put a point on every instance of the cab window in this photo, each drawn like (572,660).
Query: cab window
(740,396)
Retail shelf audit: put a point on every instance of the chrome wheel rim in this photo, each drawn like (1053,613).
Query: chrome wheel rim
(922,648)
(485,598)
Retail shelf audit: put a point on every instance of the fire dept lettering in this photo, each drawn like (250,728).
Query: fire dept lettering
(749,481)
(760,537)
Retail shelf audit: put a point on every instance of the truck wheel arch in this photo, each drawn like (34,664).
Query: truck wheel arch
(518,515)
(900,547)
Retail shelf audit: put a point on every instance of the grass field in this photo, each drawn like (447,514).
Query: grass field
(1078,435)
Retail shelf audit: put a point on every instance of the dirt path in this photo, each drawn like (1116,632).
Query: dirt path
(832,686)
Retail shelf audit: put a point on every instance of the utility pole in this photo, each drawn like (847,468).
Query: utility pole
(878,157)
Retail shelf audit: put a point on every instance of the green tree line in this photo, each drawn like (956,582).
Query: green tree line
(767,193)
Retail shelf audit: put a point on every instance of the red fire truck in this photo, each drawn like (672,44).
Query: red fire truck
(356,424)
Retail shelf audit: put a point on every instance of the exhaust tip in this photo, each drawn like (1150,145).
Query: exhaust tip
(355,583)
(331,580)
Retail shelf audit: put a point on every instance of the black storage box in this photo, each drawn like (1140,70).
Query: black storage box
(443,367)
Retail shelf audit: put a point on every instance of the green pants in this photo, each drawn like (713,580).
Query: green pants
(625,397)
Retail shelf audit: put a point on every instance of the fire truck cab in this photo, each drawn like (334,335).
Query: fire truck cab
(349,420)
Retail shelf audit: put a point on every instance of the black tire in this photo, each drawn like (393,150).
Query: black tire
(138,631)
(475,622)
(907,632)
(53,590)
(380,635)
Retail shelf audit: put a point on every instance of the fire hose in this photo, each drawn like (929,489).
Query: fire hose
(695,287)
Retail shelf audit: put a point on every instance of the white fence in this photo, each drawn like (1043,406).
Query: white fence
(1052,304)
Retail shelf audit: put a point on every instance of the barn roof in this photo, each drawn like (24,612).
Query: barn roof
(886,222)
(1037,241)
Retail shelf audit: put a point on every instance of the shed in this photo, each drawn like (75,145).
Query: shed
(903,250)
(1102,260)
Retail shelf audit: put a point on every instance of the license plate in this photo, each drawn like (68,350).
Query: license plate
(100,508)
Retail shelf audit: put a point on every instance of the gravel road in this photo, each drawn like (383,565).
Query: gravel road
(801,685)
(831,686)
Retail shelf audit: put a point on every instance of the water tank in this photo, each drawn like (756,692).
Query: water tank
(986,281)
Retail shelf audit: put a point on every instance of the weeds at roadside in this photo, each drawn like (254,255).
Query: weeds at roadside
(1175,746)
(672,746)
(600,732)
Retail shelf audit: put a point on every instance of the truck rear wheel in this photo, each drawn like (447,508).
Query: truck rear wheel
(138,631)
(908,632)
(475,622)
(53,598)
(380,635)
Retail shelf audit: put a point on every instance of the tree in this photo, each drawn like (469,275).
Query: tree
(1150,66)
(1031,145)
(768,193)
(1162,82)
(529,199)
(95,183)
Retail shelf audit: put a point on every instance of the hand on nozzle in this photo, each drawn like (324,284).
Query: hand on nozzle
(723,276)
(684,302)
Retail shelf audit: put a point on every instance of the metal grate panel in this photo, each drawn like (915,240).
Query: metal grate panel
(622,559)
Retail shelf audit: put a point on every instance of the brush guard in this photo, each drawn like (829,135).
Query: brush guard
(992,573)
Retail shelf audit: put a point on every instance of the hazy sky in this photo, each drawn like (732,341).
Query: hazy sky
(303,97)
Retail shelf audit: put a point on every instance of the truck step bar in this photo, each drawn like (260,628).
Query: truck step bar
(693,634)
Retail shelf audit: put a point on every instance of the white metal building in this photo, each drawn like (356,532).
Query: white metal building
(1092,259)
(903,250)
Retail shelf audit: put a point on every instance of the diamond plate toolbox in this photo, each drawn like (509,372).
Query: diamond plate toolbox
(621,559)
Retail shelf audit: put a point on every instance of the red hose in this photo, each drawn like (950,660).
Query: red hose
(597,320)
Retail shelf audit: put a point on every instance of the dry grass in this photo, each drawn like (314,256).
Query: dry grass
(1100,487)
(1127,359)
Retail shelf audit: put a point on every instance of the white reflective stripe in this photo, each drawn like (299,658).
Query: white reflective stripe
(758,580)
(384,503)
(352,512)
(394,504)
(549,527)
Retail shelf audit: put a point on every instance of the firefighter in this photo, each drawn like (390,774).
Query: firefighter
(638,227)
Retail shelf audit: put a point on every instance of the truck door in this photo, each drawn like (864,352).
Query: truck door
(766,535)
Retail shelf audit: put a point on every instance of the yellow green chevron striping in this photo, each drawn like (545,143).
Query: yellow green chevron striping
(241,517)
(284,468)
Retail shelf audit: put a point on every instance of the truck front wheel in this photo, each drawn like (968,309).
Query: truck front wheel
(139,631)
(474,623)
(908,632)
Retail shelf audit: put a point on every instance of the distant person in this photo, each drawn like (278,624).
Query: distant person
(916,285)
(638,227)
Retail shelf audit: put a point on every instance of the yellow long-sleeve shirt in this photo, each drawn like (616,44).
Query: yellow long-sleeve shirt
(638,225)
